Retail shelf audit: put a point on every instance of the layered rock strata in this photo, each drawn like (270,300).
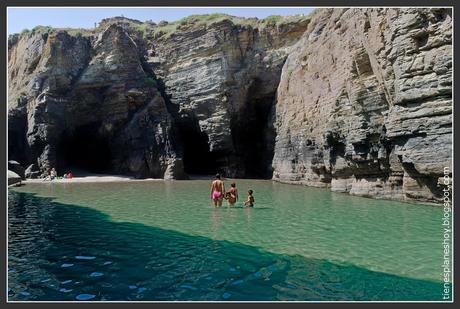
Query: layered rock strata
(365,104)
(357,100)
(76,99)
(220,80)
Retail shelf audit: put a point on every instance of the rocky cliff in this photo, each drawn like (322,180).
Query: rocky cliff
(135,98)
(221,80)
(358,100)
(88,102)
(365,104)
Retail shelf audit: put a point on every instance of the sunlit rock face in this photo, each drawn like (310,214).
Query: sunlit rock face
(357,100)
(88,102)
(365,104)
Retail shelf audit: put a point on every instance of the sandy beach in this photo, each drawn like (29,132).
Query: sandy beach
(91,178)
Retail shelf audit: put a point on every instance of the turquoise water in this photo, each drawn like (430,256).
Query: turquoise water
(165,241)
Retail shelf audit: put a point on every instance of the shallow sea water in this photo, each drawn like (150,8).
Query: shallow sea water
(163,240)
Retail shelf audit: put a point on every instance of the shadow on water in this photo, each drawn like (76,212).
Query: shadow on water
(68,252)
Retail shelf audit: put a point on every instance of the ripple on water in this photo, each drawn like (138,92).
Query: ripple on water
(63,290)
(66,265)
(187,286)
(237,282)
(83,257)
(85,296)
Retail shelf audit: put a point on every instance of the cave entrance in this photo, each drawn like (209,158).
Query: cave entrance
(84,149)
(254,135)
(197,158)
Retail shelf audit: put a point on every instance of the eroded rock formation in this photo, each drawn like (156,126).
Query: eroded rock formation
(88,102)
(365,104)
(358,100)
(221,82)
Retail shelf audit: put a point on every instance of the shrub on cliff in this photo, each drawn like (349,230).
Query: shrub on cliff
(43,29)
(273,19)
(150,82)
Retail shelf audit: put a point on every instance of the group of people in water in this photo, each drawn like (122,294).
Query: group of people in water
(218,194)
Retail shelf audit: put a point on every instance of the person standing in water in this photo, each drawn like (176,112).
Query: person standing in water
(250,201)
(232,195)
(217,191)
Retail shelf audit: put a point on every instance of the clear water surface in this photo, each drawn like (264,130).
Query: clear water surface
(164,241)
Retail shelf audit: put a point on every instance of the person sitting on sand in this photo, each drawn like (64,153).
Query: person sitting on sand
(217,191)
(232,195)
(250,201)
(53,174)
(50,174)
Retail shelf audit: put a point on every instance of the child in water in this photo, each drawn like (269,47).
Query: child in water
(232,195)
(250,201)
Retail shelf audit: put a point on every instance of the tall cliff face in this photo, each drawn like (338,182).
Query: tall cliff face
(365,104)
(358,100)
(221,82)
(87,102)
(129,97)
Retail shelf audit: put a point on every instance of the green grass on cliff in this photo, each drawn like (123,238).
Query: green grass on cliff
(166,30)
(169,29)
(196,20)
(273,19)
(38,29)
(49,29)
(43,29)
(204,19)
(78,31)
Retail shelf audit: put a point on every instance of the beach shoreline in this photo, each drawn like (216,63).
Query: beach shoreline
(92,179)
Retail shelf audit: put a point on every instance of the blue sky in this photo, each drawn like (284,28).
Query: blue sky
(22,18)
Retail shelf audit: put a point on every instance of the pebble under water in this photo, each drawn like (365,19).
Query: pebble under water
(164,241)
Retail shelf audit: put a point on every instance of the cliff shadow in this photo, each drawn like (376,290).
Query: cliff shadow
(254,134)
(194,146)
(84,148)
(59,251)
